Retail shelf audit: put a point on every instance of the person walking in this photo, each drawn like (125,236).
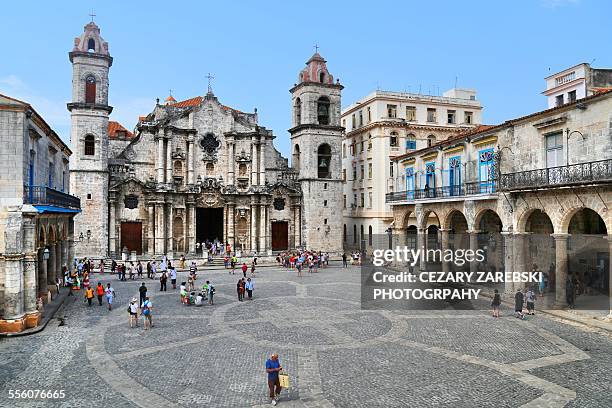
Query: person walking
(110,295)
(211,293)
(143,293)
(101,266)
(89,295)
(344,260)
(496,303)
(139,269)
(519,298)
(249,286)
(100,293)
(113,267)
(133,313)
(173,276)
(147,312)
(163,280)
(530,297)
(240,290)
(244,269)
(272,368)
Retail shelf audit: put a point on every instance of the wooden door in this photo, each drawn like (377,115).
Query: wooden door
(131,236)
(280,236)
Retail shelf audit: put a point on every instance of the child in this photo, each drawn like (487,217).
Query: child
(183,292)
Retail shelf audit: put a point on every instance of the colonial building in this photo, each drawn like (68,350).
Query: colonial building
(536,191)
(36,211)
(576,82)
(384,125)
(197,170)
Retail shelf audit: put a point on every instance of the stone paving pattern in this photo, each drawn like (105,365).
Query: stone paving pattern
(335,353)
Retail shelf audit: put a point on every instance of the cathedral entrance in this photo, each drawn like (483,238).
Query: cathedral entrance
(209,224)
(131,236)
(280,236)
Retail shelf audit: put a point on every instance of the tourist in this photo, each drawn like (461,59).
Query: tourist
(149,270)
(143,293)
(100,293)
(147,313)
(110,294)
(225,261)
(58,283)
(172,276)
(211,293)
(193,270)
(344,261)
(253,270)
(249,286)
(101,266)
(518,304)
(254,257)
(205,290)
(190,283)
(530,298)
(89,295)
(272,368)
(182,262)
(139,269)
(163,280)
(233,261)
(199,300)
(240,290)
(244,269)
(183,292)
(133,313)
(154,270)
(132,271)
(113,267)
(496,303)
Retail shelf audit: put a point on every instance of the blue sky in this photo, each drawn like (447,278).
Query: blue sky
(255,50)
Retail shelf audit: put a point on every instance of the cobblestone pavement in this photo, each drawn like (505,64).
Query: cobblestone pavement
(335,353)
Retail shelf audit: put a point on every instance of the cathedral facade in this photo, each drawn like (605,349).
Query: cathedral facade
(196,171)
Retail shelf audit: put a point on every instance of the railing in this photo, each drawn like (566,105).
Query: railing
(458,190)
(42,195)
(573,174)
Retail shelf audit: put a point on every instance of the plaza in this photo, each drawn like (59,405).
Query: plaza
(335,353)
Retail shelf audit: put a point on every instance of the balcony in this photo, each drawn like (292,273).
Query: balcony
(571,175)
(42,195)
(442,193)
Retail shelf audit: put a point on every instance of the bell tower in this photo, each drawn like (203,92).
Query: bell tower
(89,111)
(316,144)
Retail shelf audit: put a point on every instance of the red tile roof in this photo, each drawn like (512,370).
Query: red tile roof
(114,127)
(188,102)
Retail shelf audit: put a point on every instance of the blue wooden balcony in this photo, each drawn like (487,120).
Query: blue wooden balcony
(47,196)
(443,192)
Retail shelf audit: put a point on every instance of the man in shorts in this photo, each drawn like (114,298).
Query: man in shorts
(110,295)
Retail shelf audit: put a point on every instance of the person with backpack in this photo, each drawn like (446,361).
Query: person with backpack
(496,303)
(133,312)
(100,292)
(113,267)
(147,313)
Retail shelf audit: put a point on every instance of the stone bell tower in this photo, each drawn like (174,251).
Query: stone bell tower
(89,111)
(316,144)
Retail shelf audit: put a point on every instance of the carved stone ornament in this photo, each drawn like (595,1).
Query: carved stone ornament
(208,200)
(130,201)
(279,203)
(209,143)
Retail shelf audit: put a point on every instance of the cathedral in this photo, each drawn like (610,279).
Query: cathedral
(196,171)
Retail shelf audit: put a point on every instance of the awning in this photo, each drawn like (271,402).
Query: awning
(53,209)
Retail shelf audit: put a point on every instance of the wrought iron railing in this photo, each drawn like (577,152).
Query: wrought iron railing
(573,174)
(43,195)
(458,190)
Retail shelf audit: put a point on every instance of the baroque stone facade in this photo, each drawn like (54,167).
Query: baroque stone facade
(196,171)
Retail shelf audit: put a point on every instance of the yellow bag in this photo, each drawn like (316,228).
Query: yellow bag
(284,380)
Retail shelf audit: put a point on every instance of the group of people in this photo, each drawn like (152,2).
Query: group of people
(245,286)
(190,297)
(303,259)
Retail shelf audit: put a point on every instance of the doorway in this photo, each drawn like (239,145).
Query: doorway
(280,236)
(131,236)
(209,224)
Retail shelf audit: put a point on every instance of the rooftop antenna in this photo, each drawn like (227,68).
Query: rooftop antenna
(210,78)
(592,61)
(92,15)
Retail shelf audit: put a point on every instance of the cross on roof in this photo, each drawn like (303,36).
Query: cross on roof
(170,91)
(92,15)
(316,47)
(210,78)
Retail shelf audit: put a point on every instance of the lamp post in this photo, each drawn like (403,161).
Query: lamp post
(46,254)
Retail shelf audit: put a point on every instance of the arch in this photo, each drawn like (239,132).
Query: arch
(537,221)
(298,111)
(456,222)
(406,219)
(488,221)
(323,105)
(425,219)
(41,236)
(91,45)
(296,157)
(90,89)
(89,146)
(431,140)
(324,161)
(586,221)
(411,141)
(51,236)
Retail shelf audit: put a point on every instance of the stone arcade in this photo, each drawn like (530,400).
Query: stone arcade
(197,170)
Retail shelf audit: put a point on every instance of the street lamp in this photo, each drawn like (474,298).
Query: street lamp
(46,254)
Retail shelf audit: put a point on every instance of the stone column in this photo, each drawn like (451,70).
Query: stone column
(421,237)
(58,260)
(263,227)
(159,163)
(192,224)
(262,164)
(190,157)
(509,286)
(254,162)
(112,230)
(561,269)
(519,252)
(298,227)
(444,235)
(13,318)
(474,247)
(230,225)
(185,231)
(150,229)
(169,232)
(51,269)
(71,243)
(159,229)
(169,161)
(42,274)
(32,315)
(253,229)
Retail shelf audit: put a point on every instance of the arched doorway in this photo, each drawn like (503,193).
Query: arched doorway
(539,247)
(458,237)
(491,241)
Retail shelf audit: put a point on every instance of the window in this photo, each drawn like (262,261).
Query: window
(431,115)
(354,172)
(355,200)
(323,161)
(361,146)
(344,232)
(559,100)
(362,201)
(467,118)
(360,118)
(353,122)
(344,123)
(369,200)
(390,169)
(410,113)
(393,139)
(324,203)
(51,174)
(178,169)
(90,148)
(430,177)
(343,174)
(392,111)
(91,45)
(89,196)
(324,186)
(325,221)
(369,115)
(431,140)
(450,117)
(362,172)
(369,142)
(410,142)
(362,235)
(554,150)
(90,89)
(323,110)
(370,171)
(296,157)
(571,96)
(298,111)
(322,77)
(354,234)
(370,235)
